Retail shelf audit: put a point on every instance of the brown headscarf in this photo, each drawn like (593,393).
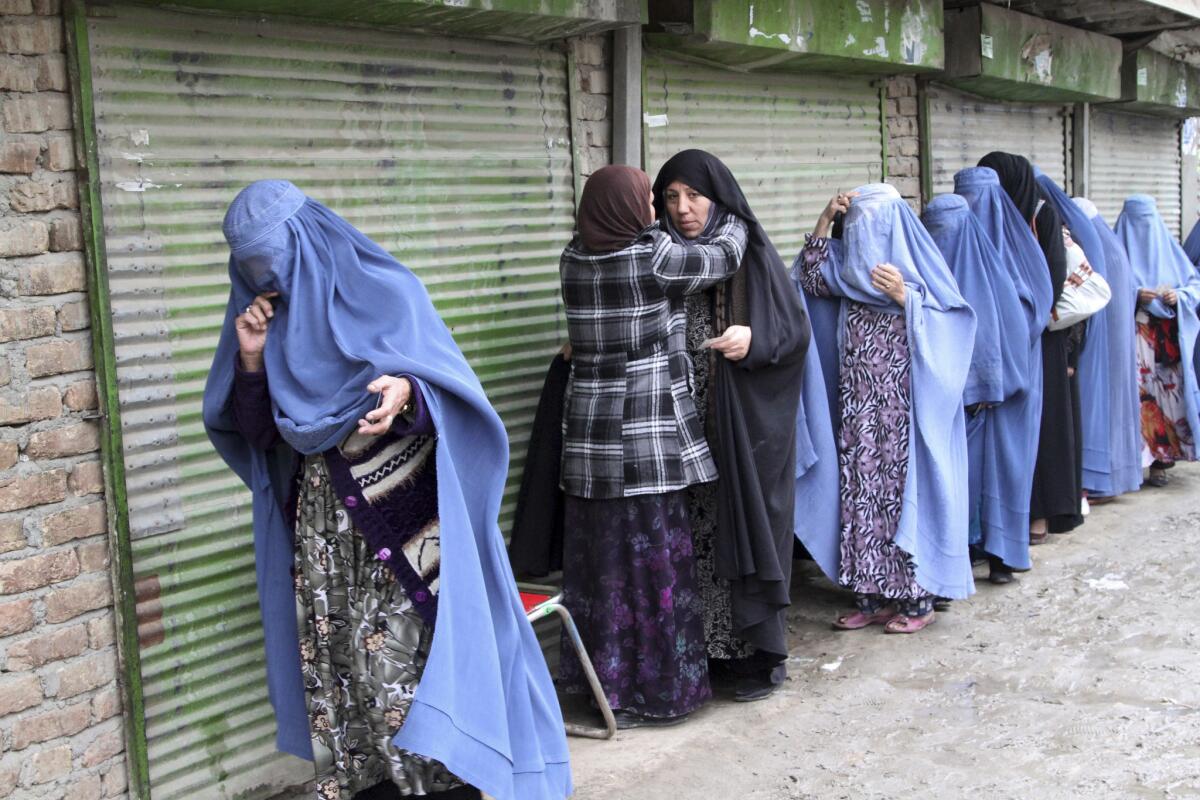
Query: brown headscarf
(614,209)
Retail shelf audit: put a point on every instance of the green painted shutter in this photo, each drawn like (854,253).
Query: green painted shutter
(792,141)
(1135,154)
(964,128)
(455,155)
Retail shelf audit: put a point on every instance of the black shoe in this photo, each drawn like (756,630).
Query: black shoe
(759,687)
(941,603)
(380,791)
(631,719)
(457,793)
(999,573)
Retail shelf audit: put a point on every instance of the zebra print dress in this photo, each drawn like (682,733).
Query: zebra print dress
(875,395)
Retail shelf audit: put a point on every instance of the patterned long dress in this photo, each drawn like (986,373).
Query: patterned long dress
(363,648)
(1166,435)
(872,440)
(722,643)
(363,645)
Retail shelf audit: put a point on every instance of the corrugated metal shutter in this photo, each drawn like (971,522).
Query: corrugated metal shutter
(793,141)
(1134,154)
(963,129)
(455,155)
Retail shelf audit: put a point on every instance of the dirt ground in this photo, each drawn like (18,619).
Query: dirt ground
(1082,680)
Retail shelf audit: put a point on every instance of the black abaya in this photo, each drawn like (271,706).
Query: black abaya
(754,419)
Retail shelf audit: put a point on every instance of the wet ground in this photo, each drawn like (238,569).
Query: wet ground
(1082,680)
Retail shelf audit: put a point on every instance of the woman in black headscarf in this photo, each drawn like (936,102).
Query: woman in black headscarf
(747,397)
(1058,474)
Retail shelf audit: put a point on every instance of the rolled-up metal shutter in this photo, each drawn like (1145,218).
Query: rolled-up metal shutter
(455,155)
(964,128)
(792,141)
(1134,154)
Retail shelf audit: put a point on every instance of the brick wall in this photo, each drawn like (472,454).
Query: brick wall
(593,82)
(60,725)
(904,143)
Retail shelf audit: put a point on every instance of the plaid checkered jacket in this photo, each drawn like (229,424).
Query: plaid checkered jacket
(630,424)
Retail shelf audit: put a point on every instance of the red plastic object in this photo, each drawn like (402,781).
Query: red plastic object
(532,600)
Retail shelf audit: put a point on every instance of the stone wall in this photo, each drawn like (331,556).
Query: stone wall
(593,83)
(904,142)
(60,725)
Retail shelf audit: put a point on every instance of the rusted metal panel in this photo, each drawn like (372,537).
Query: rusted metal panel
(998,53)
(792,141)
(1135,154)
(881,36)
(455,155)
(963,129)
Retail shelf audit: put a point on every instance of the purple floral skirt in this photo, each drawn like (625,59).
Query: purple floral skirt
(629,580)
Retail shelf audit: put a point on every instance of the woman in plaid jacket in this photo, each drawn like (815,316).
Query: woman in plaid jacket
(632,443)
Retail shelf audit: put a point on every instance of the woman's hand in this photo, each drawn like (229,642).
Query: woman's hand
(394,396)
(1146,296)
(887,279)
(1170,298)
(734,343)
(840,204)
(251,326)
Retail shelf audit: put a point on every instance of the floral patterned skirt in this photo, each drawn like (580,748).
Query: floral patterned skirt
(1165,431)
(629,581)
(873,456)
(363,648)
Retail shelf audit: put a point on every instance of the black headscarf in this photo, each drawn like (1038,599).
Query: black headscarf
(1020,183)
(753,418)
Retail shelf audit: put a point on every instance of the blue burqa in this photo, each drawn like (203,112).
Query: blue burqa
(1159,262)
(999,369)
(1017,421)
(818,518)
(1124,402)
(940,326)
(1191,245)
(1094,363)
(348,312)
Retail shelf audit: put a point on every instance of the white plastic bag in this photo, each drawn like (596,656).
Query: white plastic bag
(1085,291)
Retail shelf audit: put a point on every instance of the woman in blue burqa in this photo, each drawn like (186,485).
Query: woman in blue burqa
(1168,295)
(399,658)
(1106,376)
(1016,423)
(996,383)
(1124,400)
(1056,500)
(904,352)
(746,397)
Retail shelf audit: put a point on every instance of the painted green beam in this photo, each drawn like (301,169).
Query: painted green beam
(1157,84)
(528,20)
(868,36)
(998,53)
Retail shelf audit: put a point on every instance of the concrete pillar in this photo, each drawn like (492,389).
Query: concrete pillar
(1081,161)
(627,96)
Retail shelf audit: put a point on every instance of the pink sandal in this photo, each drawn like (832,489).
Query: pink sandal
(859,619)
(902,623)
